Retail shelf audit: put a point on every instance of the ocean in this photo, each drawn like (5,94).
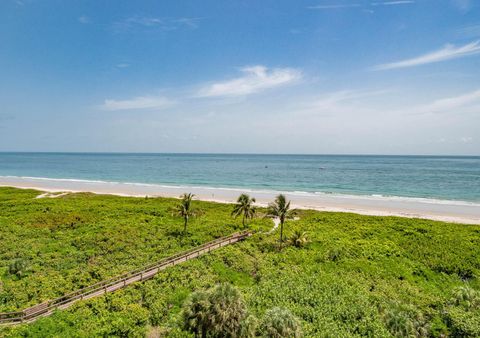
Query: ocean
(427,177)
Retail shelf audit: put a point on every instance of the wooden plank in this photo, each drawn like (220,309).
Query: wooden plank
(35,309)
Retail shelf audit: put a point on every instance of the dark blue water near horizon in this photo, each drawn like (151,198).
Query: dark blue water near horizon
(433,177)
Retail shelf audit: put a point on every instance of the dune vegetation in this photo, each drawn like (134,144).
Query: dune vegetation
(336,274)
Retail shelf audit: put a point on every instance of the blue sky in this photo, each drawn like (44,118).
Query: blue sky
(354,77)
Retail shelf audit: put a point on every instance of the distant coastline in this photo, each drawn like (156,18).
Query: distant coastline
(440,210)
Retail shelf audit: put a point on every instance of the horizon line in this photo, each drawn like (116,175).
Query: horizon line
(226,153)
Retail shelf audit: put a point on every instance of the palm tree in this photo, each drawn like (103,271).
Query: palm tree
(244,207)
(228,311)
(279,323)
(195,313)
(18,267)
(218,312)
(466,296)
(299,238)
(399,323)
(280,208)
(185,210)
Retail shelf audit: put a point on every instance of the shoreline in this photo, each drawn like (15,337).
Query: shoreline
(438,210)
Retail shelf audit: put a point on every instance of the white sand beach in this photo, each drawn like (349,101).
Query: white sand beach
(440,210)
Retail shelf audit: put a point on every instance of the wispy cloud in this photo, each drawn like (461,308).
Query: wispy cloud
(393,3)
(446,53)
(463,5)
(340,96)
(358,5)
(255,79)
(140,102)
(340,102)
(19,3)
(84,19)
(449,104)
(155,23)
(188,22)
(334,6)
(362,101)
(123,65)
(469,31)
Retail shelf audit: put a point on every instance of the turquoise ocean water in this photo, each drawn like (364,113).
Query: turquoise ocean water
(432,177)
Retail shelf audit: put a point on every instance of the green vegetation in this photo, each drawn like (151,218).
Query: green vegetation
(356,276)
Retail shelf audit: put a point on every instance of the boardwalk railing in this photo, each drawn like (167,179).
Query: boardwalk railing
(46,308)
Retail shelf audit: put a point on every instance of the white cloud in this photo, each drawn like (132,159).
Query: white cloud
(123,65)
(446,53)
(141,102)
(254,80)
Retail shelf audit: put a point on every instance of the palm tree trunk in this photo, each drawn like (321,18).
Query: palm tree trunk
(243,221)
(185,224)
(281,231)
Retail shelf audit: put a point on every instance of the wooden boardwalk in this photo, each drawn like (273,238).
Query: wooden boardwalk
(47,308)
